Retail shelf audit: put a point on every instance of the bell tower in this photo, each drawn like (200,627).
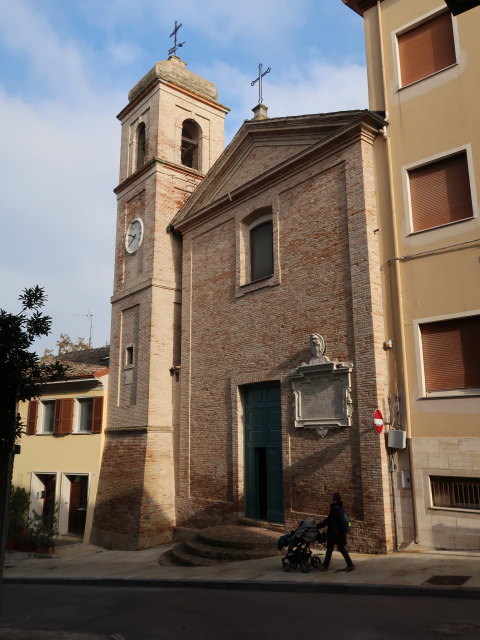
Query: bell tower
(172,133)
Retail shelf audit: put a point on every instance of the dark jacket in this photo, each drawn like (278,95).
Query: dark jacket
(333,522)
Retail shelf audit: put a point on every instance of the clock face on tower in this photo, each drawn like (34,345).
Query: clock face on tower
(134,236)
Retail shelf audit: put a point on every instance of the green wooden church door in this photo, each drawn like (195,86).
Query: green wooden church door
(263,452)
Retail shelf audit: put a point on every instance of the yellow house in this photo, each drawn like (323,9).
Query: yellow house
(422,61)
(61,452)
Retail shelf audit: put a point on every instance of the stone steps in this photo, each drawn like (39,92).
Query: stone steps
(182,556)
(223,543)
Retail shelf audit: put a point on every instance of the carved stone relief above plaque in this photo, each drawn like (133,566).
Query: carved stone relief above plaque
(322,390)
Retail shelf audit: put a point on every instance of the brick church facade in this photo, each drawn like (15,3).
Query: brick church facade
(227,263)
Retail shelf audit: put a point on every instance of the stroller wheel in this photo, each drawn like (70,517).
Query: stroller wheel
(286,565)
(316,562)
(305,567)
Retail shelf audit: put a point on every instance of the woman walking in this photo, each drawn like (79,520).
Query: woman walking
(336,533)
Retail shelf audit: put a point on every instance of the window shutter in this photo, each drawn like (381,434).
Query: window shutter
(32,417)
(426,49)
(451,354)
(63,421)
(57,416)
(97,414)
(440,192)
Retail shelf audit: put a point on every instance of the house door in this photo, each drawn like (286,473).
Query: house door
(77,512)
(42,498)
(263,452)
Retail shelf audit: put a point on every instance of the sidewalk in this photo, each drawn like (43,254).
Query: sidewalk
(447,573)
(402,573)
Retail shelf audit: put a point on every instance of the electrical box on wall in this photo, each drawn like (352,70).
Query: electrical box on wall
(406,480)
(397,439)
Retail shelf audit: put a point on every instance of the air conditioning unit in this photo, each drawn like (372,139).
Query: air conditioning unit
(397,439)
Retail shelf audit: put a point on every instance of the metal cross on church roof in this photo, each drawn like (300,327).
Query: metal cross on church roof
(174,35)
(259,80)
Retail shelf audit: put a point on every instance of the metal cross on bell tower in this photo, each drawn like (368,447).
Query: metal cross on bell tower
(259,80)
(174,36)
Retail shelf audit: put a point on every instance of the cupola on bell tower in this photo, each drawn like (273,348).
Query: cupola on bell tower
(172,133)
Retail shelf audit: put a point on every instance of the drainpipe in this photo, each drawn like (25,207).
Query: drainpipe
(397,321)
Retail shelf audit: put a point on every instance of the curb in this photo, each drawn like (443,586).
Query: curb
(466,593)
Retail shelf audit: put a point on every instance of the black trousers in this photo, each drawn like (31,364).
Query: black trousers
(343,551)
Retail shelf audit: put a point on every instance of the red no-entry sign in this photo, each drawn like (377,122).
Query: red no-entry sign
(378,421)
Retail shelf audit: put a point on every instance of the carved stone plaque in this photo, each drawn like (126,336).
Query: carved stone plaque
(322,393)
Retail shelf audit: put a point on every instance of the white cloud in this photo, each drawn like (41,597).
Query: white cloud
(221,20)
(318,87)
(60,167)
(55,64)
(122,52)
(256,23)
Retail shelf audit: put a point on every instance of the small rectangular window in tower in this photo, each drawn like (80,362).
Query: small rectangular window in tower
(451,354)
(440,192)
(426,49)
(261,251)
(129,357)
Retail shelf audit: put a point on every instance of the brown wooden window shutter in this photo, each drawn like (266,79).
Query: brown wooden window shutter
(426,49)
(63,421)
(451,354)
(57,416)
(97,415)
(440,192)
(32,417)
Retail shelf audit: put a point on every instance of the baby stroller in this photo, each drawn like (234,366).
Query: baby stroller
(298,544)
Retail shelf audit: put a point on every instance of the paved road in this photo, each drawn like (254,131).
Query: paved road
(201,614)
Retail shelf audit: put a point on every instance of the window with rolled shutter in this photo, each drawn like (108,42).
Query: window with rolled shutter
(440,192)
(426,49)
(32,417)
(451,354)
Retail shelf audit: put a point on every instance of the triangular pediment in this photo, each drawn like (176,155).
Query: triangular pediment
(259,148)
(258,156)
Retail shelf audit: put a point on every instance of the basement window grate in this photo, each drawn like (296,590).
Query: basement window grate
(455,492)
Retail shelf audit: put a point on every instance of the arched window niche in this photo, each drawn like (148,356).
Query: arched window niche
(257,250)
(258,242)
(190,146)
(140,146)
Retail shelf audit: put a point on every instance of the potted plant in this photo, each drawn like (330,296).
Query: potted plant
(26,542)
(43,529)
(18,516)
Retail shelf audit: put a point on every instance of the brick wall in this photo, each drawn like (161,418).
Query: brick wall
(136,496)
(327,280)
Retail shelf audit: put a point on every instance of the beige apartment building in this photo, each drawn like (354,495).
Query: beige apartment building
(61,451)
(422,61)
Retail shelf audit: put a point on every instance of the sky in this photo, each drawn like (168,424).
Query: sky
(66,68)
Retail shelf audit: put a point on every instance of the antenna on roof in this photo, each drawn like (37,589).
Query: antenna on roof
(90,317)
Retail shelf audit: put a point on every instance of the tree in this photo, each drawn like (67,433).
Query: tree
(66,345)
(22,376)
